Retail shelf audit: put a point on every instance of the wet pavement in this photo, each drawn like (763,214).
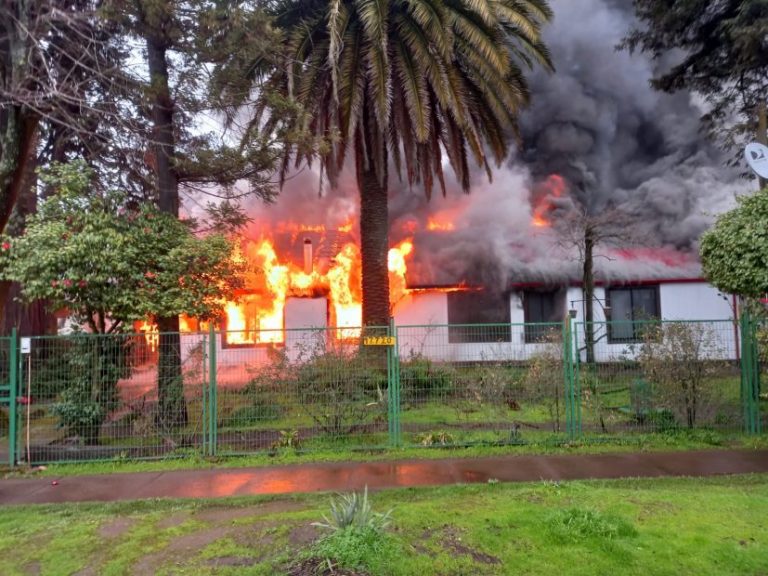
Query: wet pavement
(217,483)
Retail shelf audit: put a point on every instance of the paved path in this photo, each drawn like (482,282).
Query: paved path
(355,475)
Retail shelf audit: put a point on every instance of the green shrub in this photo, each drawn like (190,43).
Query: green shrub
(340,392)
(576,524)
(355,548)
(421,379)
(358,539)
(260,410)
(660,420)
(90,368)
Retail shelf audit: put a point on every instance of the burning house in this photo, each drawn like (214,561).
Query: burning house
(596,138)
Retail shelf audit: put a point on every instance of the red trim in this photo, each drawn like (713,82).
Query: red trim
(577,283)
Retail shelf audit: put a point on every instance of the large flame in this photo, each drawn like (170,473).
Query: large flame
(553,187)
(257,317)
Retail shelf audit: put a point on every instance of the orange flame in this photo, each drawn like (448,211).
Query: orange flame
(258,316)
(396,264)
(434,224)
(553,187)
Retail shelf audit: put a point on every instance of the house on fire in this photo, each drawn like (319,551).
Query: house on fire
(469,322)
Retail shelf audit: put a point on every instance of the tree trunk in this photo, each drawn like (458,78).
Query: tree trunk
(374,240)
(172,407)
(29,318)
(588,280)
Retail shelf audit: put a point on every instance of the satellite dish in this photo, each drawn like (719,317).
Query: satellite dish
(756,156)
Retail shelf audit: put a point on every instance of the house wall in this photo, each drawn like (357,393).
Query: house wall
(678,301)
(422,321)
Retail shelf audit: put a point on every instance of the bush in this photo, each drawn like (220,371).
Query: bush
(354,548)
(421,379)
(260,410)
(678,359)
(357,539)
(340,392)
(89,370)
(354,510)
(576,524)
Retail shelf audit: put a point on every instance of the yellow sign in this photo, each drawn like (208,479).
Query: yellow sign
(379,341)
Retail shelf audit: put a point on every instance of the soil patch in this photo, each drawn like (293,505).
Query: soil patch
(179,549)
(235,561)
(450,540)
(173,520)
(227,514)
(116,527)
(303,535)
(317,567)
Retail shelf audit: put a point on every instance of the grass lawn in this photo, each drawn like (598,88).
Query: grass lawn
(652,526)
(337,452)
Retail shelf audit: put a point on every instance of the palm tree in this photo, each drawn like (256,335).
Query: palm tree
(402,84)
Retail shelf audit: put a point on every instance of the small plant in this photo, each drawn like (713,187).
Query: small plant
(440,438)
(680,362)
(261,409)
(354,510)
(287,439)
(576,524)
(356,540)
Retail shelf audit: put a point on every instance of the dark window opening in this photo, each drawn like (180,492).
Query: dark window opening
(489,309)
(540,307)
(631,307)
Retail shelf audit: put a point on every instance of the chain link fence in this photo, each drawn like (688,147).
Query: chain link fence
(659,376)
(83,396)
(89,396)
(492,383)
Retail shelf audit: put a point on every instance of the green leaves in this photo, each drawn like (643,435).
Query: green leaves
(735,252)
(109,260)
(409,79)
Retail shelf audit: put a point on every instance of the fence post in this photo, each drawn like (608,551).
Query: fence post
(750,373)
(13,388)
(393,387)
(203,398)
(572,412)
(212,408)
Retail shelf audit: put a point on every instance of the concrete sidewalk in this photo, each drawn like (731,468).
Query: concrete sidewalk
(217,483)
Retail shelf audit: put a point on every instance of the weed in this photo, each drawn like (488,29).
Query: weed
(260,410)
(287,439)
(440,438)
(354,547)
(576,524)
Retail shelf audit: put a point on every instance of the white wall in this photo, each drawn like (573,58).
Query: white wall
(422,318)
(678,301)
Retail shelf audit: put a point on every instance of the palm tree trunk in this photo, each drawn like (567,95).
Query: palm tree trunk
(374,240)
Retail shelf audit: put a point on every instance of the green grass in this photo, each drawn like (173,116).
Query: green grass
(545,444)
(678,526)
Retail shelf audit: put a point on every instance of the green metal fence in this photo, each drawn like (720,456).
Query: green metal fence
(81,397)
(491,383)
(659,375)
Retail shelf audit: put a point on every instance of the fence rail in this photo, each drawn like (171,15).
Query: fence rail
(84,397)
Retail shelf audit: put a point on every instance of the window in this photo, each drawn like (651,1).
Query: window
(629,308)
(541,307)
(478,308)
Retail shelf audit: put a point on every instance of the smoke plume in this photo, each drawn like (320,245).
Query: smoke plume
(598,124)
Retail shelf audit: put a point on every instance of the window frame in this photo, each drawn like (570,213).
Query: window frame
(469,332)
(637,336)
(531,335)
